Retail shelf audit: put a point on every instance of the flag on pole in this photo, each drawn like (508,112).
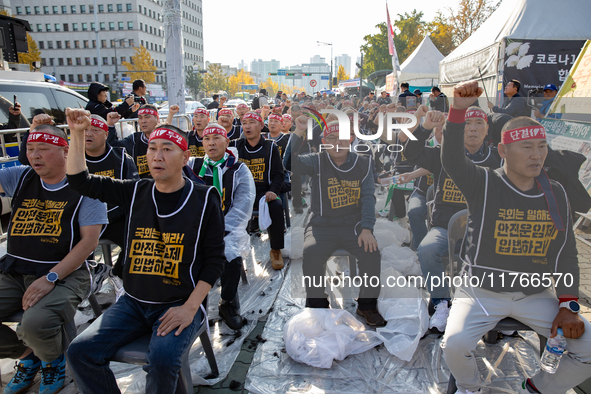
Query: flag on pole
(392,50)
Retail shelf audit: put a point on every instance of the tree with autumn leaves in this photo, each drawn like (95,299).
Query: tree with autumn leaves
(236,81)
(447,31)
(34,54)
(141,65)
(342,74)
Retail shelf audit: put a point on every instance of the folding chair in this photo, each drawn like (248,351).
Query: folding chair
(456,230)
(136,353)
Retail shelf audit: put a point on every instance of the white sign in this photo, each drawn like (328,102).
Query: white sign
(351,83)
(313,83)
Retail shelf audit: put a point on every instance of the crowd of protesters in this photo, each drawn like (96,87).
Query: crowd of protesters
(182,205)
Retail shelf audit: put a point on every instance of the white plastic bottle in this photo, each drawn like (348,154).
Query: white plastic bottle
(553,352)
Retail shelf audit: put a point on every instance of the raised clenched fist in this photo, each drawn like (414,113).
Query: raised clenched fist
(465,94)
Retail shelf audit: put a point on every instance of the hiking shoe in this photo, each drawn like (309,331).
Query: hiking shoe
(439,318)
(53,376)
(276,259)
(23,377)
(229,314)
(372,317)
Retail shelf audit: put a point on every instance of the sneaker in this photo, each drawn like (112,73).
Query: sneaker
(53,375)
(372,317)
(23,377)
(117,284)
(439,318)
(229,314)
(100,272)
(276,259)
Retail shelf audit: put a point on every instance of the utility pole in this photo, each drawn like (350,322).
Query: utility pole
(175,69)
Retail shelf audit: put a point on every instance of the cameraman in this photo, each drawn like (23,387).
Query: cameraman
(139,91)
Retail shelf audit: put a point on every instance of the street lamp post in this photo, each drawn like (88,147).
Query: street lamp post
(326,43)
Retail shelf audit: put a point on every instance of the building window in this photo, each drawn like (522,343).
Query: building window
(69,61)
(39,27)
(105,61)
(64,9)
(41,45)
(46,10)
(71,77)
(73,9)
(109,7)
(92,26)
(159,48)
(101,8)
(96,62)
(141,26)
(87,61)
(74,27)
(80,78)
(102,25)
(152,46)
(111,25)
(55,9)
(76,44)
(83,9)
(106,77)
(28,10)
(78,61)
(37,10)
(120,25)
(91,10)
(19,11)
(129,25)
(119,7)
(114,60)
(67,44)
(131,43)
(60,61)
(103,43)
(58,44)
(128,5)
(66,28)
(94,43)
(96,77)
(49,44)
(51,61)
(88,77)
(150,29)
(63,77)
(84,26)
(85,43)
(57,27)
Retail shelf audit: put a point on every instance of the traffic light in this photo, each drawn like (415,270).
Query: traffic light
(272,73)
(307,74)
(289,74)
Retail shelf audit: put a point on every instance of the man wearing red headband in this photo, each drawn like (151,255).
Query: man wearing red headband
(175,253)
(103,159)
(275,134)
(343,208)
(233,180)
(52,230)
(264,161)
(226,120)
(241,110)
(448,198)
(519,226)
(136,144)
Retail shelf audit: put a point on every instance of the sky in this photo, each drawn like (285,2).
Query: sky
(288,31)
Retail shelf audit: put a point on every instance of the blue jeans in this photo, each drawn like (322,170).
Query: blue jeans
(430,252)
(417,217)
(125,321)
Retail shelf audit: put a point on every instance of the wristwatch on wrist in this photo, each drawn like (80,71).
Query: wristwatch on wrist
(52,277)
(572,306)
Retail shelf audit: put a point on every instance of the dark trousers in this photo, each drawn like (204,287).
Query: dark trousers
(320,242)
(230,279)
(296,190)
(115,232)
(277,227)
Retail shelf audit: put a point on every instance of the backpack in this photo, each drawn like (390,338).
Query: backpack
(255,103)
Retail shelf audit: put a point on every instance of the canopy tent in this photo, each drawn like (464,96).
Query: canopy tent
(421,68)
(533,41)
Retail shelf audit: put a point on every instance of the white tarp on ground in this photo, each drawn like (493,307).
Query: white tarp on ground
(421,68)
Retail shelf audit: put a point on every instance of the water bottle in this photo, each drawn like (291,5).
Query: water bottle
(553,352)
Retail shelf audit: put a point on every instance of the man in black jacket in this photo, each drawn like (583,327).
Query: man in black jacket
(175,254)
(264,161)
(514,104)
(99,104)
(139,91)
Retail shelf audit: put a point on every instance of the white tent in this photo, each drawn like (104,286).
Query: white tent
(421,68)
(534,41)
